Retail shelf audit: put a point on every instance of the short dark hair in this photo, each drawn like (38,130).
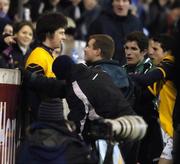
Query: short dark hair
(48,23)
(105,43)
(139,37)
(167,41)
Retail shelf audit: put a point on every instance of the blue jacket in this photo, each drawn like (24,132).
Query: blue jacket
(115,71)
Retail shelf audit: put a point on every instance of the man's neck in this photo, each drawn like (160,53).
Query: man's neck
(47,44)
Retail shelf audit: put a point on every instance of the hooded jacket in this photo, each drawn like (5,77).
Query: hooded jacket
(53,143)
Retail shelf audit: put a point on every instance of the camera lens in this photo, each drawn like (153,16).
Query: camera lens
(128,127)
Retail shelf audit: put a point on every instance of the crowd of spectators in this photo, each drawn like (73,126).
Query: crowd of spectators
(135,39)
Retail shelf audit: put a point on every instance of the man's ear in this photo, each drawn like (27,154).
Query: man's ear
(99,51)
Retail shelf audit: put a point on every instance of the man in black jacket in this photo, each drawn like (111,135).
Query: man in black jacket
(98,55)
(94,92)
(89,93)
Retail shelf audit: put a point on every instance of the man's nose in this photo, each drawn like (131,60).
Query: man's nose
(150,52)
(128,52)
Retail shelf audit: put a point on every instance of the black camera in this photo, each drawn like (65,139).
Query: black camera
(126,127)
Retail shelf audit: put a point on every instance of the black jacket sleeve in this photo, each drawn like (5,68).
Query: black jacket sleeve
(49,86)
(148,78)
(163,72)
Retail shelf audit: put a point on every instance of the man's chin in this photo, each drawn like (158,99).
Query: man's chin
(88,62)
(131,64)
(154,62)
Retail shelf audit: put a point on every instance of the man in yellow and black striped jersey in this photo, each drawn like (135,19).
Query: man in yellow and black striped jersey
(50,32)
(160,83)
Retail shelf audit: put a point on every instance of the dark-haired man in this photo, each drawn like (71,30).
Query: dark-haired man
(50,32)
(136,48)
(160,83)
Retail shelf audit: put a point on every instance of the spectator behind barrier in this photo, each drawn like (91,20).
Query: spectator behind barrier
(53,140)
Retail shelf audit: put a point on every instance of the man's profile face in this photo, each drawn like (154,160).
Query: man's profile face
(91,54)
(133,53)
(155,52)
(57,38)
